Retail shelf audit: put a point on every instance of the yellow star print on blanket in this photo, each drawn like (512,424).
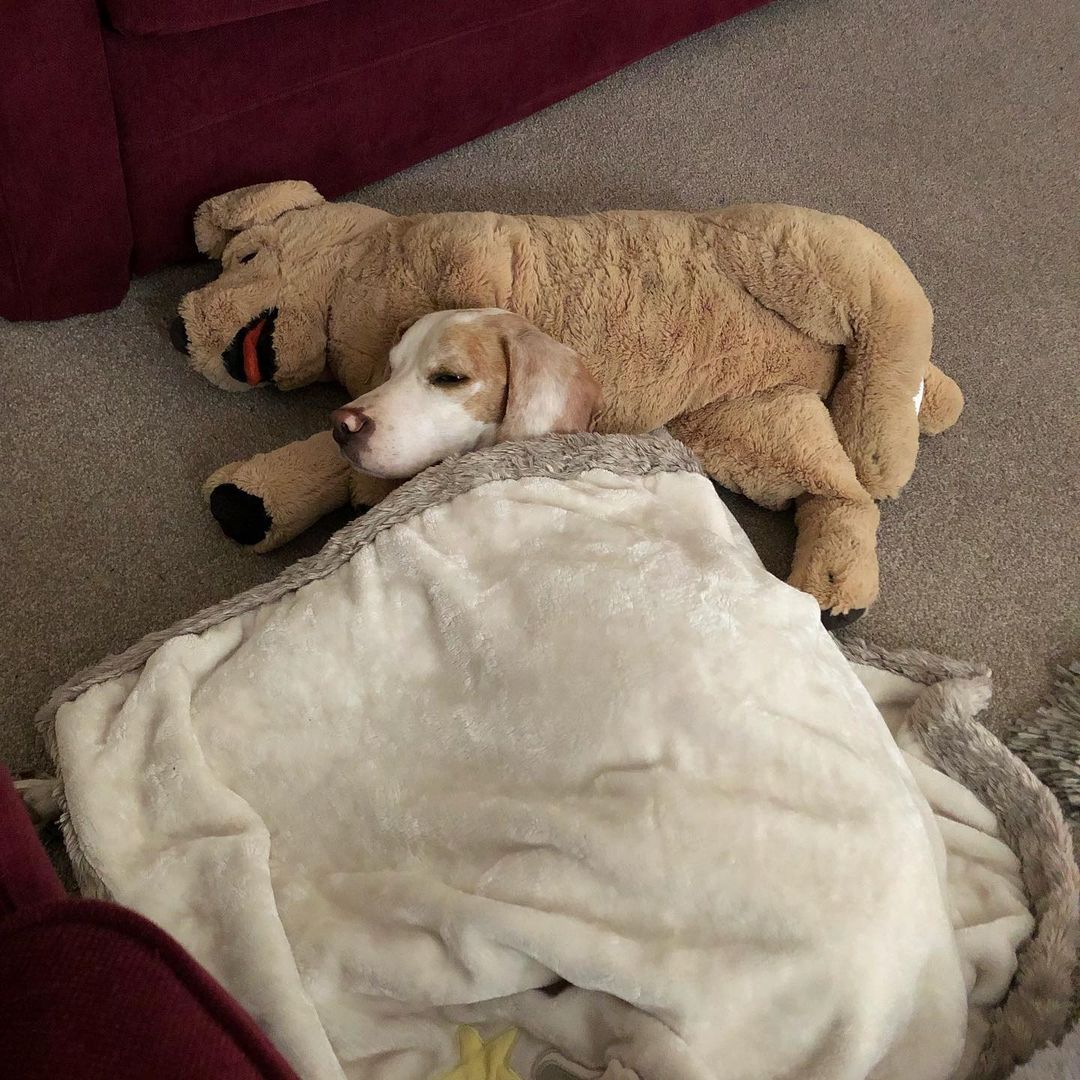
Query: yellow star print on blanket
(483,1060)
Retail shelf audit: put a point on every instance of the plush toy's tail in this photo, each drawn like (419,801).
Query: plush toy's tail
(942,403)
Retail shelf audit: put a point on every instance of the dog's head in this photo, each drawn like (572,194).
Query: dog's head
(460,380)
(264,319)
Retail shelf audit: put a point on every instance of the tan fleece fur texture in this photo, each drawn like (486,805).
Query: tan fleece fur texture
(784,346)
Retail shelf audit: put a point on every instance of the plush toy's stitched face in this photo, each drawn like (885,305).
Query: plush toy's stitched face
(263,320)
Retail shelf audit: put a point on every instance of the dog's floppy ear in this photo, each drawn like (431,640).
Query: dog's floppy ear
(548,387)
(219,219)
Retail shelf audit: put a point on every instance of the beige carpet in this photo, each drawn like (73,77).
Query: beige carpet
(949,127)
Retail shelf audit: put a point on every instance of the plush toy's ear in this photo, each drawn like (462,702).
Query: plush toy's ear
(549,389)
(218,219)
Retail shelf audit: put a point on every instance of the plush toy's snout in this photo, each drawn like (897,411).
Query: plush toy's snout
(238,355)
(265,318)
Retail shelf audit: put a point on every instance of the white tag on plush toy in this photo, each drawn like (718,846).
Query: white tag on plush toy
(919,396)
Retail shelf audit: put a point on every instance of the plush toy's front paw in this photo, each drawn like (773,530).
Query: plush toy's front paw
(268,499)
(241,515)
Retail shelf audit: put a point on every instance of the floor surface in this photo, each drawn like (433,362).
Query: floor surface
(951,128)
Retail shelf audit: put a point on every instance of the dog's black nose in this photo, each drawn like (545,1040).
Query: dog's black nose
(347,422)
(178,334)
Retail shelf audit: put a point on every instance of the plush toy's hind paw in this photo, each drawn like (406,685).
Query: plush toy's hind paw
(835,559)
(885,461)
(241,515)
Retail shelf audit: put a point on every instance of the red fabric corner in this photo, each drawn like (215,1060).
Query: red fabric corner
(65,235)
(93,991)
(26,875)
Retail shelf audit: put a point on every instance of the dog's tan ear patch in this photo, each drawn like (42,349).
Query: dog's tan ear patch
(549,388)
(218,219)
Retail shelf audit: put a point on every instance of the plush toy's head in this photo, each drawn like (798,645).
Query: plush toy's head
(264,319)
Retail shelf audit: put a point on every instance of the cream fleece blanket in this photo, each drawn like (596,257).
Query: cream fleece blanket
(551,728)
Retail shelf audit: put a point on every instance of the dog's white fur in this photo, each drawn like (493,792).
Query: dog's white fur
(416,422)
(460,380)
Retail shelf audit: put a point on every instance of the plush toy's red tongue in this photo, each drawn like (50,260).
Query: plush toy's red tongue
(251,357)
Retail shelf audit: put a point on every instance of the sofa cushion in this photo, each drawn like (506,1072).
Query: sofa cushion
(345,92)
(180,16)
(65,234)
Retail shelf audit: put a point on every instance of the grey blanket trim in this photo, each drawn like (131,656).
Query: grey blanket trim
(1038,1006)
(915,664)
(943,716)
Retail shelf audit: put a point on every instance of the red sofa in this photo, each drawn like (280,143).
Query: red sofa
(92,991)
(117,117)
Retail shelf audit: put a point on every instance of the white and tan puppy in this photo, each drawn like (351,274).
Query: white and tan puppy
(460,380)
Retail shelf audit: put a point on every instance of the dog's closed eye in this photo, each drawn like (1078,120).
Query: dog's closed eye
(447,378)
(248,257)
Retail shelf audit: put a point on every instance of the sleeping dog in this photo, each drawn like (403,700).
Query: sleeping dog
(460,380)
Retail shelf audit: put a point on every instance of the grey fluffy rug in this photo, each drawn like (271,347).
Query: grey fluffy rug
(1050,745)
(1055,1062)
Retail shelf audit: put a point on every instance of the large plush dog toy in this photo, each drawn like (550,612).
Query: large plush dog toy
(788,348)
